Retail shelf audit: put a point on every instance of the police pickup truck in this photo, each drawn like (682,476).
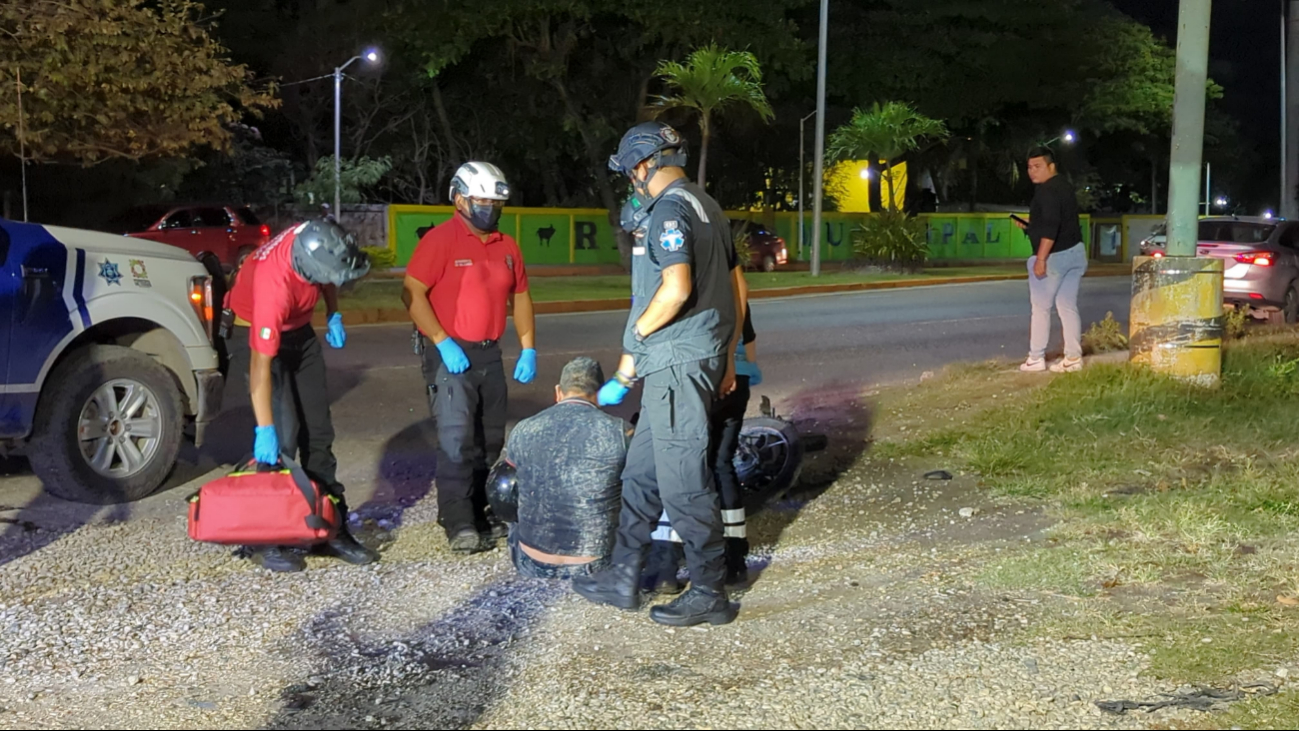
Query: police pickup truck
(106,356)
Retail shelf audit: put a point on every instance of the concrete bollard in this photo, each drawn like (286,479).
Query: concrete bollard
(1176,323)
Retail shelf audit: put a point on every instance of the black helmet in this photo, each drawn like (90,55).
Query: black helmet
(649,140)
(503,492)
(324,253)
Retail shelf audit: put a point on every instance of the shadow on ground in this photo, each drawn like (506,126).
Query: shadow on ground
(842,413)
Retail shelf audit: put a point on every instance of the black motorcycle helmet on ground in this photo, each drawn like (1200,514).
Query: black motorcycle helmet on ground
(503,492)
(325,253)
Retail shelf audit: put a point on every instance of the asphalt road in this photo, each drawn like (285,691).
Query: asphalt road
(807,345)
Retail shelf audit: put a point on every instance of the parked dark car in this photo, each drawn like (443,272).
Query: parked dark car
(229,232)
(766,250)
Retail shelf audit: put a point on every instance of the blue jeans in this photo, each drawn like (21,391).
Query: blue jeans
(1064,272)
(530,568)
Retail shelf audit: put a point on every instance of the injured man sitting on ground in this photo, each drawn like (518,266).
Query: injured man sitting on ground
(559,482)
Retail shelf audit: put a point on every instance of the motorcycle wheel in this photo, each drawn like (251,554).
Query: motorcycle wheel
(768,460)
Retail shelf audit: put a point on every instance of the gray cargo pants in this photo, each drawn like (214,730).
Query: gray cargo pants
(668,469)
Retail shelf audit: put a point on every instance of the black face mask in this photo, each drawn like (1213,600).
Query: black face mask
(483,218)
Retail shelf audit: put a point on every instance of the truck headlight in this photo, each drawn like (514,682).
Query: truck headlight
(200,298)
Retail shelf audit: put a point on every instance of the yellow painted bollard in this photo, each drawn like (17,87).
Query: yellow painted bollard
(1176,322)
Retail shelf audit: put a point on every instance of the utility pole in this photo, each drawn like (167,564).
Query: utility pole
(1285,174)
(802,168)
(1289,205)
(1208,189)
(22,143)
(1188,126)
(1176,320)
(819,183)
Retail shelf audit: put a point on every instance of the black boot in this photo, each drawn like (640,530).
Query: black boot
(467,541)
(694,607)
(737,568)
(280,559)
(347,548)
(617,586)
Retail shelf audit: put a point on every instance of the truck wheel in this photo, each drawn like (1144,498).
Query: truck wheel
(108,427)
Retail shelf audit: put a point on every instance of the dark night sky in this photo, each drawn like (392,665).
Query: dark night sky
(1244,53)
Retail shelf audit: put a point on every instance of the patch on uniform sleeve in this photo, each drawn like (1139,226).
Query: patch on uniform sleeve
(672,239)
(265,334)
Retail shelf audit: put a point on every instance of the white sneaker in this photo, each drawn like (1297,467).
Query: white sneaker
(1033,365)
(1067,365)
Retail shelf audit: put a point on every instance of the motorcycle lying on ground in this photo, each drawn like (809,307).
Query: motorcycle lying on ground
(769,456)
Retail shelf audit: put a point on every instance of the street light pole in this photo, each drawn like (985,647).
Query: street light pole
(819,182)
(372,56)
(338,138)
(802,168)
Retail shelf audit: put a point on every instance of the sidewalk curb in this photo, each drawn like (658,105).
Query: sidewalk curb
(397,314)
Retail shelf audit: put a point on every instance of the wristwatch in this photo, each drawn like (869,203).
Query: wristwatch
(623,379)
(636,333)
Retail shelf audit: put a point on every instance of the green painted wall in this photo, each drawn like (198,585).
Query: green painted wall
(584,236)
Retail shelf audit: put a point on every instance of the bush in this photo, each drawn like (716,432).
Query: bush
(1104,337)
(1234,322)
(381,257)
(892,240)
(743,248)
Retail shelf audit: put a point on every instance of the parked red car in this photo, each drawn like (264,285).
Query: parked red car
(229,232)
(766,250)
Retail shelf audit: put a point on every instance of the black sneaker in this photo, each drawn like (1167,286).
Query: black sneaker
(617,586)
(279,559)
(694,607)
(468,541)
(347,548)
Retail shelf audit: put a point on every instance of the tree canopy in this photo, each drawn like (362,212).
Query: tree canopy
(105,79)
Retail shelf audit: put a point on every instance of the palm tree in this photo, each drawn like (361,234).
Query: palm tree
(885,132)
(710,80)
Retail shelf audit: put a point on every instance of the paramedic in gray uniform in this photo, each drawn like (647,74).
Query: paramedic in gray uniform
(680,341)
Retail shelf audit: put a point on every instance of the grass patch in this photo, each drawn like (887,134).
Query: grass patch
(386,293)
(1179,506)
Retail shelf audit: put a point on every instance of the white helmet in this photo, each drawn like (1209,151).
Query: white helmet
(480,180)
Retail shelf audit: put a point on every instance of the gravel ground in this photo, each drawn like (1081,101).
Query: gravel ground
(860,614)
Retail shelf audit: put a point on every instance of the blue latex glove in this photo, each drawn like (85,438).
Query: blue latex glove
(453,356)
(745,368)
(612,393)
(266,448)
(336,335)
(526,370)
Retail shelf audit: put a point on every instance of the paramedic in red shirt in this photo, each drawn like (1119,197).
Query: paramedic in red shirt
(459,281)
(274,296)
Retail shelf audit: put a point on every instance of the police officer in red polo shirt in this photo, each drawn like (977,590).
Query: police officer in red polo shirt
(272,340)
(459,281)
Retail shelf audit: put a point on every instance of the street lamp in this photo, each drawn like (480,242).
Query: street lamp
(802,168)
(371,56)
(1069,138)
